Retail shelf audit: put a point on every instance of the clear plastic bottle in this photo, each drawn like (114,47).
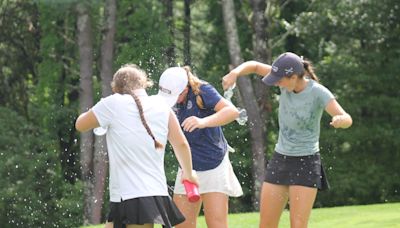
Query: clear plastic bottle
(229,93)
(242,119)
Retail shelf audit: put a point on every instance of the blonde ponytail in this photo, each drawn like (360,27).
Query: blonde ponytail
(195,83)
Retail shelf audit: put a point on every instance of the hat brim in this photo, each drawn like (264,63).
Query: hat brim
(168,98)
(271,79)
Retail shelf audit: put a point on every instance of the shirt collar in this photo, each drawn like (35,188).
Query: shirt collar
(140,92)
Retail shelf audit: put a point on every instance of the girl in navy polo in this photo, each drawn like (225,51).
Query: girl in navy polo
(202,111)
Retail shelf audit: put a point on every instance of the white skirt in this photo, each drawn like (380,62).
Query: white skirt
(220,179)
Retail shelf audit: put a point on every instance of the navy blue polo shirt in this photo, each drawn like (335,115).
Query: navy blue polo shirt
(208,145)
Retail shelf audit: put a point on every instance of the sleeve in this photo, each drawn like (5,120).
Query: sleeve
(104,110)
(210,96)
(325,95)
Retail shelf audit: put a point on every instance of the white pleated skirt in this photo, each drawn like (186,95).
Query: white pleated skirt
(220,179)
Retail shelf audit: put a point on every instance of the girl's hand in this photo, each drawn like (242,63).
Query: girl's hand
(229,80)
(191,177)
(192,123)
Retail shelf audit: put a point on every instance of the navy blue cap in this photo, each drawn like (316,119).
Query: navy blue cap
(285,65)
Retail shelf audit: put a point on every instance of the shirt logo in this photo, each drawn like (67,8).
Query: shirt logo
(274,68)
(189,105)
(289,70)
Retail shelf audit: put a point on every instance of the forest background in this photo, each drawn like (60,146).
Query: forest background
(57,59)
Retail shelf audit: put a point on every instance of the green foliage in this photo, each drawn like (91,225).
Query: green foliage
(19,45)
(142,36)
(54,101)
(33,191)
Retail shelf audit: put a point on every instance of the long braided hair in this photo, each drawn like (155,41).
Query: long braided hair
(128,78)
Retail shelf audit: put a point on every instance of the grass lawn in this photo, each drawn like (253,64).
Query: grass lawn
(366,216)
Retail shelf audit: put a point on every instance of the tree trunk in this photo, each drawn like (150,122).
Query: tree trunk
(256,124)
(100,166)
(261,54)
(186,34)
(86,102)
(169,16)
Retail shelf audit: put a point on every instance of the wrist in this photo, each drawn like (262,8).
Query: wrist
(235,73)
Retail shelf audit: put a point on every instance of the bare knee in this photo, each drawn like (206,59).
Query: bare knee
(216,220)
(269,223)
(298,221)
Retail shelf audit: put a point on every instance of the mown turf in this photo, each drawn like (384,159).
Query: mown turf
(366,216)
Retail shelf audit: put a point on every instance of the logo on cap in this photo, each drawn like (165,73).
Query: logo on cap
(289,70)
(167,91)
(274,68)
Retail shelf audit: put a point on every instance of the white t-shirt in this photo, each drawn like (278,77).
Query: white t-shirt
(136,167)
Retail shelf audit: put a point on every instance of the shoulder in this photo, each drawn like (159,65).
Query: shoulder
(111,99)
(208,88)
(205,85)
(317,87)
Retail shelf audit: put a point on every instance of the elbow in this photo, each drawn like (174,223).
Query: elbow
(79,125)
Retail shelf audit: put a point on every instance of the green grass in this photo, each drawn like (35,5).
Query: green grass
(366,216)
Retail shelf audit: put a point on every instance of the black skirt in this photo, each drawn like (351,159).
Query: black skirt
(303,170)
(145,210)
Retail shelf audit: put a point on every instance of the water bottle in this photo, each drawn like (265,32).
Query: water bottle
(242,119)
(228,93)
(99,131)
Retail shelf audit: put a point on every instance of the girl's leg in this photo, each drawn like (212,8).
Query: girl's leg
(301,202)
(273,200)
(215,209)
(188,209)
(109,225)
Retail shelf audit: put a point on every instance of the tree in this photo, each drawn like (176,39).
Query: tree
(256,124)
(84,28)
(100,157)
(169,15)
(186,34)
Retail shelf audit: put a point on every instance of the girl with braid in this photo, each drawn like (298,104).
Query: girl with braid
(138,129)
(295,171)
(202,111)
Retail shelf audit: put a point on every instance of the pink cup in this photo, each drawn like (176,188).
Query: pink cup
(192,191)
